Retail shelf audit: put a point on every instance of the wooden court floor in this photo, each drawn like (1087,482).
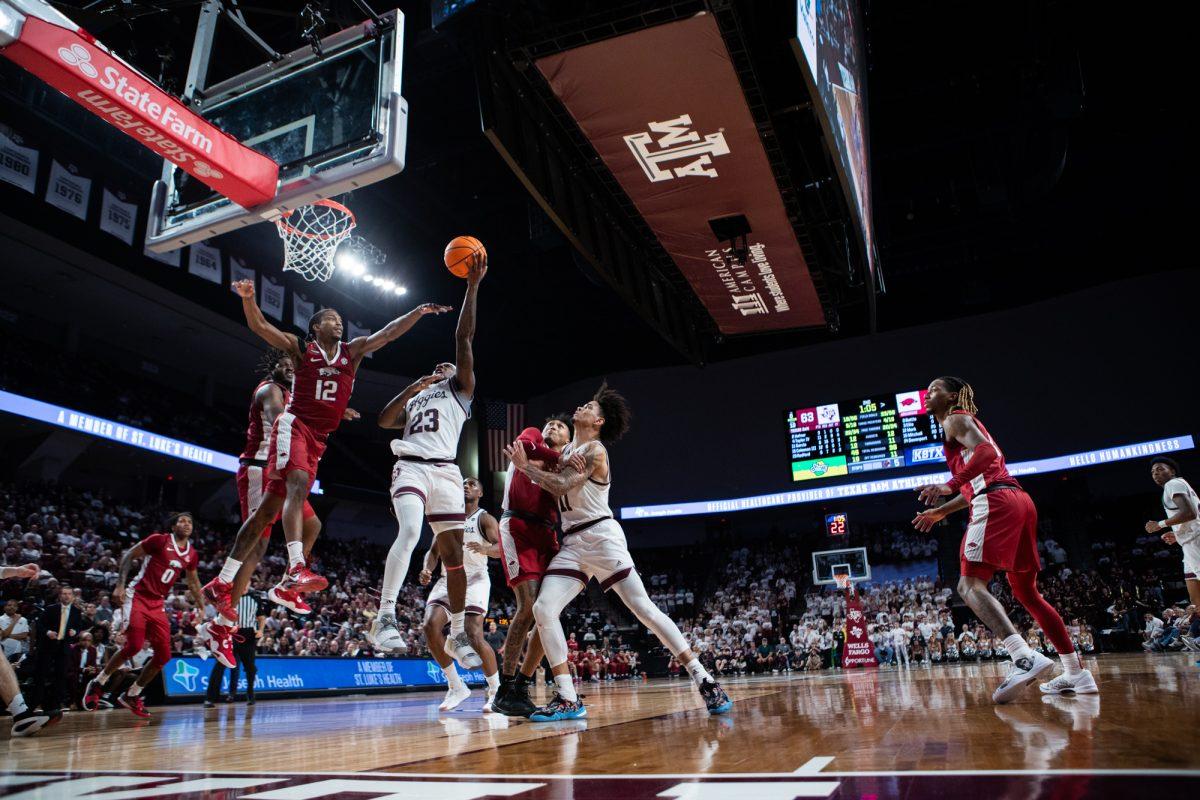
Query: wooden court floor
(918,721)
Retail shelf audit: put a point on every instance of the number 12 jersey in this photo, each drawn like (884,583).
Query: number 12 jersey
(321,388)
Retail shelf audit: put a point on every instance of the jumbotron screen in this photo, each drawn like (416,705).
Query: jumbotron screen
(872,433)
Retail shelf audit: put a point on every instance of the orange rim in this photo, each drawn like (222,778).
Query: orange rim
(336,206)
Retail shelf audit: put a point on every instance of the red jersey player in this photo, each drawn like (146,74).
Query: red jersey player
(1001,536)
(321,387)
(528,540)
(165,556)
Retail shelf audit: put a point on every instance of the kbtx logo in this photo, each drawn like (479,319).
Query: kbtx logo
(676,142)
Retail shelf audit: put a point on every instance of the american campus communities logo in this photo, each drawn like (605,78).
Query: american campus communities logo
(751,282)
(167,115)
(671,149)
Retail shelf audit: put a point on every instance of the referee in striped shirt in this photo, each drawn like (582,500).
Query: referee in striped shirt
(245,645)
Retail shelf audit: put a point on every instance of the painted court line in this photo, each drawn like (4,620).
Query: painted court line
(814,765)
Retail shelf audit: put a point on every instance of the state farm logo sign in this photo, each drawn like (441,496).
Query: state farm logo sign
(77,56)
(671,149)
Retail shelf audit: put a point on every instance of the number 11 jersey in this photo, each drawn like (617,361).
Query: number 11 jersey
(435,418)
(321,388)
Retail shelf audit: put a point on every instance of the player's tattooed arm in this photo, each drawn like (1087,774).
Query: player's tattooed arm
(464,334)
(491,533)
(559,483)
(195,590)
(126,564)
(362,345)
(395,413)
(287,342)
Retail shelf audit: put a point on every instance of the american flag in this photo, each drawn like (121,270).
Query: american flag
(503,422)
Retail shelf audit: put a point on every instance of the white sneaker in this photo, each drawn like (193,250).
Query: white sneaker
(455,695)
(459,648)
(1083,683)
(1023,672)
(385,636)
(487,703)
(200,642)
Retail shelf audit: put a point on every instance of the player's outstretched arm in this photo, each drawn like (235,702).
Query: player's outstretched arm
(126,564)
(23,571)
(931,516)
(464,334)
(362,345)
(287,342)
(562,482)
(394,415)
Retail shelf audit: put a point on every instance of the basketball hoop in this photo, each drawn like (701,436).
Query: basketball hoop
(843,582)
(311,235)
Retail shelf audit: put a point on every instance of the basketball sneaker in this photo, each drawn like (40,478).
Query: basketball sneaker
(385,636)
(559,709)
(290,599)
(512,699)
(1023,672)
(455,695)
(92,694)
(299,578)
(220,594)
(220,644)
(487,702)
(27,723)
(715,699)
(135,704)
(1083,683)
(459,648)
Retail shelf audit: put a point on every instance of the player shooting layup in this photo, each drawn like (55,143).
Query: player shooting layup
(1182,524)
(321,387)
(593,546)
(427,483)
(1001,535)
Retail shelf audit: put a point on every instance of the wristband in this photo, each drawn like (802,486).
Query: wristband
(1162,526)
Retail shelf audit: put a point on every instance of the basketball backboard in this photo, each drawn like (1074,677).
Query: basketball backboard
(333,120)
(852,560)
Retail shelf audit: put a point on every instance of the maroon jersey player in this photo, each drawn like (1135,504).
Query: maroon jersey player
(1001,535)
(165,556)
(321,385)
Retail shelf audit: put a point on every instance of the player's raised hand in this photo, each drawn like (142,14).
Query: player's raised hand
(350,415)
(930,493)
(243,289)
(432,308)
(516,454)
(478,268)
(925,521)
(425,577)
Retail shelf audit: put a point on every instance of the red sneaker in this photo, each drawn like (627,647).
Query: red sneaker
(221,644)
(220,594)
(299,578)
(135,704)
(92,695)
(290,599)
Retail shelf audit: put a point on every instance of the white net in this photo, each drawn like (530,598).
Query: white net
(311,235)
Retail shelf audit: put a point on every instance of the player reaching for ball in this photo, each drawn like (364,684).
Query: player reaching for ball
(321,387)
(1001,536)
(427,483)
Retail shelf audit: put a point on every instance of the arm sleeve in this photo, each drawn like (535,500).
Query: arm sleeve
(981,459)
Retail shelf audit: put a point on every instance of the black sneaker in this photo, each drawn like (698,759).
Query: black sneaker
(27,723)
(715,698)
(209,704)
(513,699)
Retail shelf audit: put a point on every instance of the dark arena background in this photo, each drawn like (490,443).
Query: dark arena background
(815,246)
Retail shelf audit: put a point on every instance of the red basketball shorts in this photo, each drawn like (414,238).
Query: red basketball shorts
(147,624)
(1001,535)
(251,486)
(293,447)
(526,548)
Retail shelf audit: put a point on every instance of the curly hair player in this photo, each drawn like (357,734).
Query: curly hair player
(1001,536)
(593,546)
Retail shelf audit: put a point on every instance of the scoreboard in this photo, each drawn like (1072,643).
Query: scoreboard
(873,433)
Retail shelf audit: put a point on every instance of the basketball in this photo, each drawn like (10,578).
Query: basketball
(458,254)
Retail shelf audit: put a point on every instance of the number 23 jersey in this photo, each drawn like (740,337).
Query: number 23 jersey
(321,388)
(435,418)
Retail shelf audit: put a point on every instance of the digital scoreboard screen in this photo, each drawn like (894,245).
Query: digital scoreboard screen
(882,432)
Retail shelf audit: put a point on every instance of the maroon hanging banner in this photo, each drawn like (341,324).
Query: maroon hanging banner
(665,111)
(77,66)
(858,652)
